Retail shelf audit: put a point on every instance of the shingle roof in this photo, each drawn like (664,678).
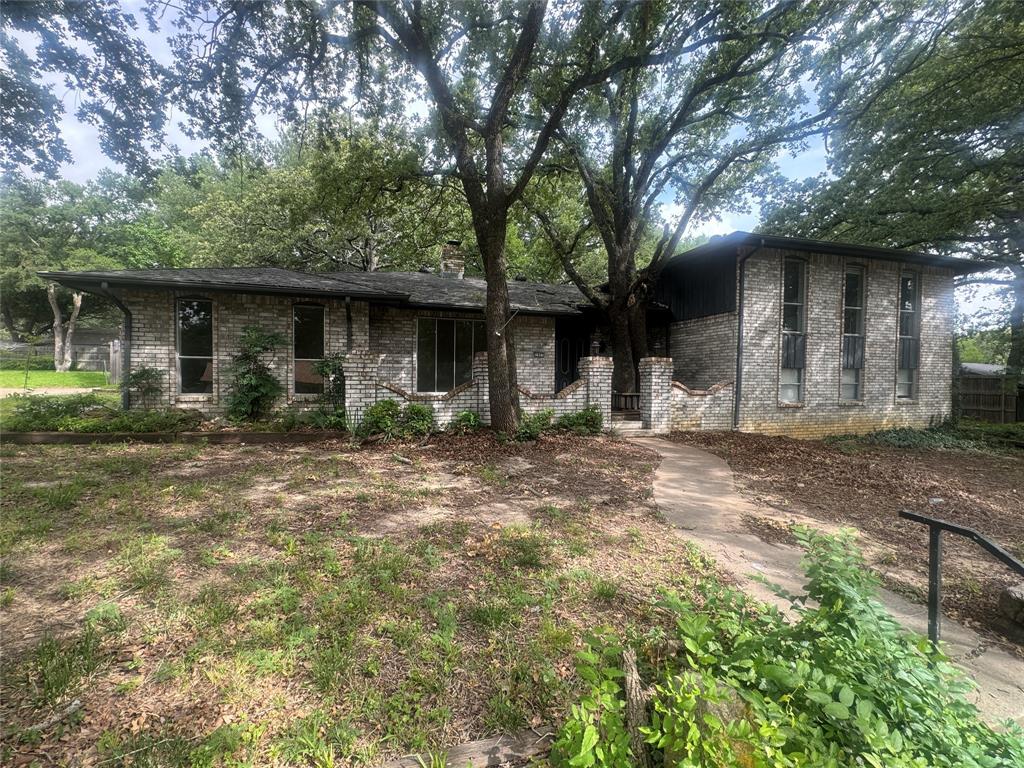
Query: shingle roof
(412,288)
(726,246)
(432,290)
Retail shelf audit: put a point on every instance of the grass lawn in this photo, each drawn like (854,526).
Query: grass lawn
(319,604)
(36,379)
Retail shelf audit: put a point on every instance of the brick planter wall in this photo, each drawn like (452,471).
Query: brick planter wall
(656,393)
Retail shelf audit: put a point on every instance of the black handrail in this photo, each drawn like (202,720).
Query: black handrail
(935,529)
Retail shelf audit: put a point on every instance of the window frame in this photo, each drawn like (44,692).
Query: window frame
(476,324)
(860,332)
(323,352)
(800,331)
(913,379)
(179,391)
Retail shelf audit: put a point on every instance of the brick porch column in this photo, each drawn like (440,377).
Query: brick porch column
(483,390)
(656,393)
(360,367)
(598,373)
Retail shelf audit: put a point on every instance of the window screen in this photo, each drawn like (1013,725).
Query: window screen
(444,352)
(908,344)
(308,340)
(853,335)
(195,346)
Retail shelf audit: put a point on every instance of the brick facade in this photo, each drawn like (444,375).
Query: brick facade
(822,412)
(380,347)
(703,351)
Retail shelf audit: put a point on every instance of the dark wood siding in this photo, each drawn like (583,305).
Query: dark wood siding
(692,289)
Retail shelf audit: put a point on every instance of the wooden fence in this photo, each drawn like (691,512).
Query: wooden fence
(991,398)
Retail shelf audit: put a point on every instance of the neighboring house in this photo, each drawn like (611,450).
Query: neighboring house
(816,337)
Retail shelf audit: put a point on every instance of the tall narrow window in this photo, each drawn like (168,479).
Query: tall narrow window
(853,335)
(308,336)
(444,352)
(908,347)
(794,340)
(195,346)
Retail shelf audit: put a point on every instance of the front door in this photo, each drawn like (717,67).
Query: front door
(572,339)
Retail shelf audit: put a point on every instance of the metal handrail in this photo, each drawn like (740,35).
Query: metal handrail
(935,529)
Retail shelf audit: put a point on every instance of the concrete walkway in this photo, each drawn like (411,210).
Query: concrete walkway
(695,491)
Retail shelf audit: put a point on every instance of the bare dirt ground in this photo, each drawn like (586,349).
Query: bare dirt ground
(865,486)
(317,604)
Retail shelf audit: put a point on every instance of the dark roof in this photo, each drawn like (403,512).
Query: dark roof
(424,289)
(235,279)
(726,245)
(410,288)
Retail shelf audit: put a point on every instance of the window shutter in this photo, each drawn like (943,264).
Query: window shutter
(853,352)
(910,351)
(794,350)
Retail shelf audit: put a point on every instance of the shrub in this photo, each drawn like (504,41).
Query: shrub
(532,426)
(585,422)
(465,422)
(840,684)
(417,420)
(254,388)
(388,419)
(381,418)
(22,362)
(90,413)
(145,382)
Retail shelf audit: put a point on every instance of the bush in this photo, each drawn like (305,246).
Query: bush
(381,418)
(91,413)
(417,420)
(388,419)
(841,684)
(32,362)
(145,382)
(585,422)
(254,388)
(532,426)
(464,423)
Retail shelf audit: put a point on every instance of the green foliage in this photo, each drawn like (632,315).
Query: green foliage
(90,413)
(23,362)
(531,426)
(594,734)
(145,382)
(417,420)
(254,388)
(465,422)
(331,370)
(966,435)
(585,422)
(988,346)
(840,684)
(388,419)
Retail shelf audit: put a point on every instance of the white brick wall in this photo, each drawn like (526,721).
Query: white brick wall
(704,350)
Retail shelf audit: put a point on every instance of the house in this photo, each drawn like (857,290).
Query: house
(815,337)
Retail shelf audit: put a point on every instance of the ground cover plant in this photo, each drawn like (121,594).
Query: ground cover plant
(971,474)
(92,412)
(316,604)
(838,684)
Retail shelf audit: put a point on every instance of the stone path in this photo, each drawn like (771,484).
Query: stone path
(695,491)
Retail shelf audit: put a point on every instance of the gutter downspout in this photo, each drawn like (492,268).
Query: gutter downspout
(738,382)
(126,350)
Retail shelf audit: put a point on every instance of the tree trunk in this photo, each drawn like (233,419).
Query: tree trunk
(63,335)
(624,364)
(10,325)
(1015,360)
(501,354)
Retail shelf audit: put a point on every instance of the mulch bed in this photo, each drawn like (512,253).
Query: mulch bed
(867,488)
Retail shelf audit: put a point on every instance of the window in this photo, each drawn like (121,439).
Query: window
(853,335)
(195,346)
(908,345)
(791,384)
(444,352)
(793,296)
(794,342)
(308,341)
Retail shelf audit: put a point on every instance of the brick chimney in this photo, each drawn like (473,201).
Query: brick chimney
(453,264)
